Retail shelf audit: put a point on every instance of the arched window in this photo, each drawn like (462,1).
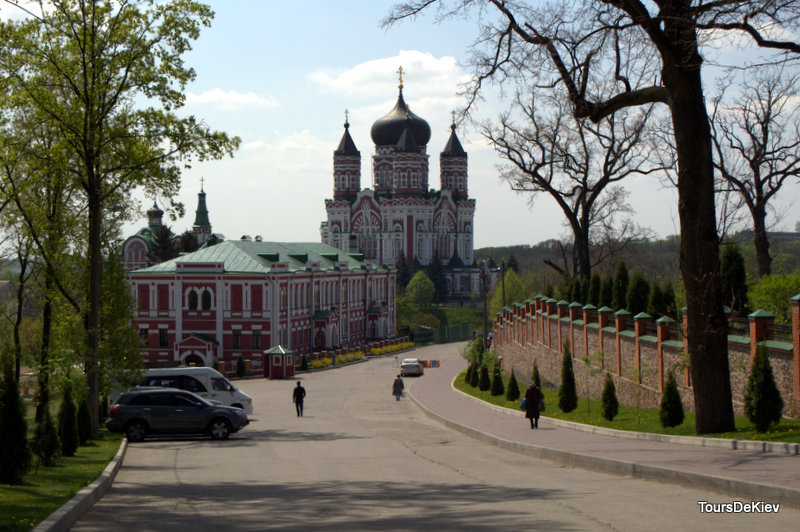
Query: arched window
(206,300)
(192,300)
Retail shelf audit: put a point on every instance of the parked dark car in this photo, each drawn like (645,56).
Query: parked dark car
(145,411)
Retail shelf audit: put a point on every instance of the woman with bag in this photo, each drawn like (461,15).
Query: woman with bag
(533,396)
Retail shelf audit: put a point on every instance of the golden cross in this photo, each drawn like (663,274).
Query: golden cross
(400,72)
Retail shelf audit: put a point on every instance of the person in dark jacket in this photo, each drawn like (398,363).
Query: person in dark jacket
(297,396)
(398,387)
(532,397)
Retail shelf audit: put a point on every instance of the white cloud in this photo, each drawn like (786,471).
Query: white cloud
(231,100)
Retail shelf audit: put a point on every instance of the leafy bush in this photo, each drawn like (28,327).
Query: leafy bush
(763,404)
(377,351)
(609,399)
(321,363)
(68,424)
(512,390)
(45,442)
(240,367)
(15,455)
(671,413)
(84,422)
(303,362)
(484,382)
(567,393)
(773,293)
(497,382)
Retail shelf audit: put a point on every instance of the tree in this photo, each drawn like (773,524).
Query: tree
(187,242)
(567,392)
(498,388)
(15,455)
(420,290)
(484,383)
(607,292)
(620,290)
(515,292)
(578,164)
(240,368)
(90,68)
(595,284)
(609,399)
(164,244)
(535,377)
(68,424)
(512,263)
(512,390)
(638,294)
(671,412)
(756,139)
(773,293)
(734,278)
(763,404)
(435,272)
(84,422)
(46,446)
(650,53)
(403,272)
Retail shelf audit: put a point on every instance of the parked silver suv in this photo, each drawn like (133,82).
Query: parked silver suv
(144,411)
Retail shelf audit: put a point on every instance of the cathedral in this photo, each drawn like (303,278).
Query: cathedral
(401,214)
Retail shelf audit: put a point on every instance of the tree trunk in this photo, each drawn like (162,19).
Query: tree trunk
(761,241)
(93,315)
(43,375)
(699,251)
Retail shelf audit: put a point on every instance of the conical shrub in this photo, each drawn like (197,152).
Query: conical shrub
(474,378)
(497,382)
(671,413)
(15,454)
(512,390)
(468,374)
(763,404)
(609,399)
(68,424)
(84,423)
(484,383)
(535,377)
(567,393)
(45,442)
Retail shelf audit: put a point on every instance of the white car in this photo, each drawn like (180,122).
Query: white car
(411,366)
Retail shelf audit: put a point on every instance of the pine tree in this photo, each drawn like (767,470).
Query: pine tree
(607,292)
(468,374)
(497,381)
(567,393)
(15,454)
(45,442)
(595,284)
(584,295)
(638,294)
(512,263)
(620,289)
(671,413)
(484,383)
(435,272)
(763,404)
(512,391)
(84,422)
(475,377)
(535,377)
(403,272)
(734,278)
(609,398)
(68,424)
(656,307)
(303,362)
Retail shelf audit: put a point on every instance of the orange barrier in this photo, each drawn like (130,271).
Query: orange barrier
(430,363)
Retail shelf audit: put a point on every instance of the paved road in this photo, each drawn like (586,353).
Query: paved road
(359,460)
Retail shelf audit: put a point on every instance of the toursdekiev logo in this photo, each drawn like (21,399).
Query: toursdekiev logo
(738,507)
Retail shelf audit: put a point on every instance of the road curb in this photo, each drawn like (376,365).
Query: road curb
(737,488)
(65,517)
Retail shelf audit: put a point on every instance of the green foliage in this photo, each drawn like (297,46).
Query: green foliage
(607,292)
(584,294)
(773,293)
(45,441)
(241,371)
(164,244)
(474,377)
(15,455)
(515,292)
(512,390)
(468,374)
(620,289)
(68,424)
(303,362)
(85,421)
(484,382)
(435,272)
(671,412)
(610,407)
(473,352)
(403,272)
(734,278)
(567,392)
(215,364)
(535,377)
(595,284)
(497,381)
(420,290)
(512,263)
(763,404)
(638,294)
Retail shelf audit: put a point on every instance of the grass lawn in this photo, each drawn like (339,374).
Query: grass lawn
(643,420)
(44,491)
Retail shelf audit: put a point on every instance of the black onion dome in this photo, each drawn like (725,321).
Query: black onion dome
(388,129)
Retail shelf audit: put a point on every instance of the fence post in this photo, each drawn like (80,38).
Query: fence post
(759,321)
(619,319)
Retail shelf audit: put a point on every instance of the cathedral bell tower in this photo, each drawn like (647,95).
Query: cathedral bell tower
(453,167)
(346,167)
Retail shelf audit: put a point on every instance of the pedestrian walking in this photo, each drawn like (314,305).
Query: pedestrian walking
(532,397)
(398,387)
(298,395)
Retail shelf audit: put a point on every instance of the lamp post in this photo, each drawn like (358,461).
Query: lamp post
(483,294)
(503,280)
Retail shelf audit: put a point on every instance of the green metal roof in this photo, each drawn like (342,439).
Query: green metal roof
(242,256)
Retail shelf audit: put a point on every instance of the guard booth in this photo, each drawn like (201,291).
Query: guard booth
(279,363)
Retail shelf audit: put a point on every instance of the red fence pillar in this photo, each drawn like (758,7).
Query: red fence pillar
(759,321)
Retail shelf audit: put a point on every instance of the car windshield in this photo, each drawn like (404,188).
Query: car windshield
(411,361)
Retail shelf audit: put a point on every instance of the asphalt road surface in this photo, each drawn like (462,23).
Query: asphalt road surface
(359,460)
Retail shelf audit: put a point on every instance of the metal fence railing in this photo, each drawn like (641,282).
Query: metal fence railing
(443,335)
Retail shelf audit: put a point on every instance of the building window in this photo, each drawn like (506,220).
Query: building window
(163,337)
(192,300)
(256,339)
(144,336)
(237,339)
(206,300)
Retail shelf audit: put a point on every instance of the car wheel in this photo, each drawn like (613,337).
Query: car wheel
(219,429)
(136,430)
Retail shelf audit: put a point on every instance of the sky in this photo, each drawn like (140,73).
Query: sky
(280,75)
